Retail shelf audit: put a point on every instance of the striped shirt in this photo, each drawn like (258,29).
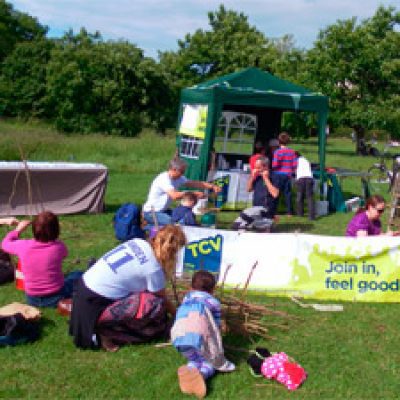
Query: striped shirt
(284,161)
(197,296)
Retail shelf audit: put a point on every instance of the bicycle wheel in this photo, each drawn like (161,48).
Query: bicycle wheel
(379,180)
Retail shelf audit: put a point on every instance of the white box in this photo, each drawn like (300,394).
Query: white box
(321,208)
(353,204)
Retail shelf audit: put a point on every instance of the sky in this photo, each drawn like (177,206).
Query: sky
(155,25)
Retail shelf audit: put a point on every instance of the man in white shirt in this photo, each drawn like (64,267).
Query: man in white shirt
(305,187)
(164,190)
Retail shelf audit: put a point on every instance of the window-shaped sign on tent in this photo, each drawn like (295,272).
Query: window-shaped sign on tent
(192,129)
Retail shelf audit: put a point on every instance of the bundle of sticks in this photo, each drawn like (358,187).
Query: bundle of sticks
(240,315)
(249,319)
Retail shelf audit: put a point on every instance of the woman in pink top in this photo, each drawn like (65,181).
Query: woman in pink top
(41,259)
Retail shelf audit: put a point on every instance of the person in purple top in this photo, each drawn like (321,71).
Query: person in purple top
(366,222)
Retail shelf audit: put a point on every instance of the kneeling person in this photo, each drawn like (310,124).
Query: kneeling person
(125,279)
(165,189)
(196,335)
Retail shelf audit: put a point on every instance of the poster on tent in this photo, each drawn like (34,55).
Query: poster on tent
(310,266)
(219,199)
(237,196)
(194,120)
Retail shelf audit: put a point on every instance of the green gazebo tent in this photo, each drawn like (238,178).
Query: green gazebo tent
(249,91)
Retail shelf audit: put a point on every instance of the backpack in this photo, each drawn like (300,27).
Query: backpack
(16,329)
(7,269)
(127,223)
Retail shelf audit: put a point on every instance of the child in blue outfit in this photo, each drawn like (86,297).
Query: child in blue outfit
(183,214)
(196,335)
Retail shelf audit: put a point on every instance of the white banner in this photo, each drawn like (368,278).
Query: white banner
(320,267)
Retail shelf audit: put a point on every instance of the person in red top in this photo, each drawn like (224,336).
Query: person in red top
(284,162)
(259,151)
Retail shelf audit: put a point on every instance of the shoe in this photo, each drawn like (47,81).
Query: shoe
(256,360)
(191,381)
(64,307)
(262,352)
(108,345)
(227,367)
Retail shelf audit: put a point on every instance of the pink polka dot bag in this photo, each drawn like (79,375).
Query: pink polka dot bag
(284,370)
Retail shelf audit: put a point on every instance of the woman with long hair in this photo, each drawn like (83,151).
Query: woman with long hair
(121,299)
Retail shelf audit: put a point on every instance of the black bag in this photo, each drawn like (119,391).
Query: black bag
(7,269)
(16,329)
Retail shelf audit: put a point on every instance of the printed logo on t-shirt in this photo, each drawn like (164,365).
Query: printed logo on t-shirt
(120,256)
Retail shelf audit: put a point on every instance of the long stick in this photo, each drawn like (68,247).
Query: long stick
(153,214)
(28,178)
(224,278)
(173,284)
(248,279)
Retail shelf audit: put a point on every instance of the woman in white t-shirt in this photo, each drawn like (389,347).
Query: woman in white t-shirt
(133,267)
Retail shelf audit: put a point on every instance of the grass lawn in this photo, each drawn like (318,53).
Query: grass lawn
(348,355)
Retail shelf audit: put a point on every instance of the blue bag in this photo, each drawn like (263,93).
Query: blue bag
(127,223)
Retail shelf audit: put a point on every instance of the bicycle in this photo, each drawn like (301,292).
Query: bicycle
(380,175)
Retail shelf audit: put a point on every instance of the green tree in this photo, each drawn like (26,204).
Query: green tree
(288,61)
(16,27)
(97,86)
(358,67)
(23,79)
(159,109)
(230,44)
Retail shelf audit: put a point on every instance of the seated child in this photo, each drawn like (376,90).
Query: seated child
(183,214)
(41,260)
(196,334)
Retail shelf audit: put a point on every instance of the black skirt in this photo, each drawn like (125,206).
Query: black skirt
(87,307)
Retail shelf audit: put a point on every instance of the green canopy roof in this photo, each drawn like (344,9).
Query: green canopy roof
(253,78)
(257,87)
